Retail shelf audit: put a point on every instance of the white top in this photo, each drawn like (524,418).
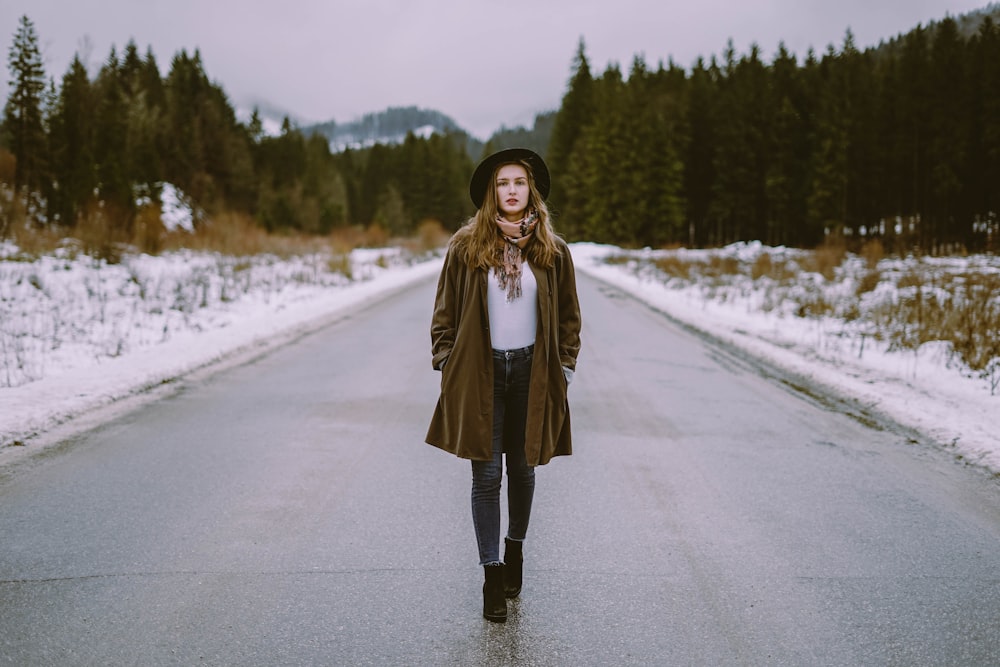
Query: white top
(513,323)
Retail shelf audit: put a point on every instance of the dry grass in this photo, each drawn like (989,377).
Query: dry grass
(826,259)
(674,267)
(104,234)
(868,281)
(34,243)
(431,235)
(781,270)
(873,252)
(961,308)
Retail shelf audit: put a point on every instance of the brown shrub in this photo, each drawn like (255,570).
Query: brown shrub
(868,282)
(762,266)
(912,278)
(779,270)
(825,259)
(32,240)
(376,236)
(228,233)
(431,234)
(340,263)
(148,230)
(873,252)
(103,232)
(972,320)
(814,305)
(673,266)
(8,166)
(238,235)
(345,239)
(723,265)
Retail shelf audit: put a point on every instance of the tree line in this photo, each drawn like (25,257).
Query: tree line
(104,146)
(899,142)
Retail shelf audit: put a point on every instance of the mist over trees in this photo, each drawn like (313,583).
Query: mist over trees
(899,142)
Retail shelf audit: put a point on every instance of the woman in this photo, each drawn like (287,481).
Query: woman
(505,335)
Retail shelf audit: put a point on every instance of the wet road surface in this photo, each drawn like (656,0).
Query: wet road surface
(287,512)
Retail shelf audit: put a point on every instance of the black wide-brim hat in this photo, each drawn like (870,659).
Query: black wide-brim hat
(483,175)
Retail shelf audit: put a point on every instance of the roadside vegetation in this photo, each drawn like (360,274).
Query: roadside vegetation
(902,303)
(64,306)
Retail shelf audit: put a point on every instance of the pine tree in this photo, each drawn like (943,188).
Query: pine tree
(914,71)
(323,187)
(739,204)
(349,169)
(827,201)
(791,148)
(373,182)
(888,144)
(949,218)
(255,127)
(700,148)
(184,87)
(72,142)
(575,114)
(145,142)
(391,213)
(808,229)
(654,130)
(23,129)
(111,125)
(863,175)
(756,116)
(984,137)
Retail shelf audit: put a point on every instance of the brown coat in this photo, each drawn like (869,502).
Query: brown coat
(460,335)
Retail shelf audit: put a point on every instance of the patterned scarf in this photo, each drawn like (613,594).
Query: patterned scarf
(516,236)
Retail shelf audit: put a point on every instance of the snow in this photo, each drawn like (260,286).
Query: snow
(176,213)
(923,390)
(77,336)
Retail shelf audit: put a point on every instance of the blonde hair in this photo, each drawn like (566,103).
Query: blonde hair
(479,239)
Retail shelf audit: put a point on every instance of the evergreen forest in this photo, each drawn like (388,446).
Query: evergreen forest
(898,142)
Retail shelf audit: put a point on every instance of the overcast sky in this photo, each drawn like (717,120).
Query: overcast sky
(485,64)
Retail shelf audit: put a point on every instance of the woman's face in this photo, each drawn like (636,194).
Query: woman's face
(512,191)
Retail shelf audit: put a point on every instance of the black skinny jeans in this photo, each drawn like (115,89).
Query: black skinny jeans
(511,375)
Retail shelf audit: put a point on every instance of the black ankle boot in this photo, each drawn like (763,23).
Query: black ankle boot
(494,602)
(513,567)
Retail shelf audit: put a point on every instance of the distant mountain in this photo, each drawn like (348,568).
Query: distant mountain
(536,138)
(392,125)
(384,127)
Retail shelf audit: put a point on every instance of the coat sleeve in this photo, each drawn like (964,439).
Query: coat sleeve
(569,309)
(444,321)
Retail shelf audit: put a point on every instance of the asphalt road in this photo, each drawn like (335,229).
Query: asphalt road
(287,512)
